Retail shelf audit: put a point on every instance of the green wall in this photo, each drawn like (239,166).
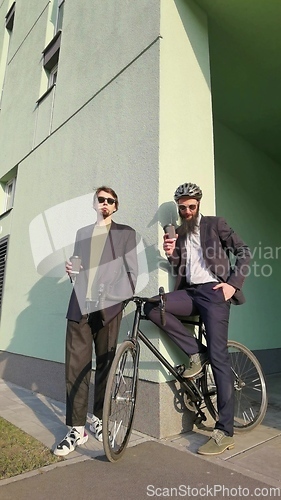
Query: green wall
(248,195)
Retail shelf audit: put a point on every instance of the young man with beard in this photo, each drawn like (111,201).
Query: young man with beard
(108,267)
(206,284)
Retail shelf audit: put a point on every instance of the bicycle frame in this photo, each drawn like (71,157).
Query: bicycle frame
(189,385)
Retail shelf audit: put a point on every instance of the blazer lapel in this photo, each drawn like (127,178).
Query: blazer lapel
(181,241)
(203,227)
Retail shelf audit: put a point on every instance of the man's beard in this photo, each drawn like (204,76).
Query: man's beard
(104,213)
(188,226)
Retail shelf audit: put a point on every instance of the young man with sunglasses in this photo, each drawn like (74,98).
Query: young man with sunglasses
(107,276)
(206,284)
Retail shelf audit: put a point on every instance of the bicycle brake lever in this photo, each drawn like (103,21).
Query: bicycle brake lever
(162,294)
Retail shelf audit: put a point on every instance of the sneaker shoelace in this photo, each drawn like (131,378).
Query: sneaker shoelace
(73,436)
(97,425)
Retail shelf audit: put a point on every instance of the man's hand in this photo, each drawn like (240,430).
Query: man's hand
(68,267)
(228,290)
(169,244)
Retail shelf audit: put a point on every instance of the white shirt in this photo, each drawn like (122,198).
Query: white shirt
(196,268)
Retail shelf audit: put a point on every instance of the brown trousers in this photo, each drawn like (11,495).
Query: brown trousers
(78,364)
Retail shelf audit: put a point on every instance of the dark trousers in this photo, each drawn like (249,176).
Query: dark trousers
(214,311)
(78,364)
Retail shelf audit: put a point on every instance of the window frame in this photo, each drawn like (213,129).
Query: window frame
(51,52)
(52,77)
(59,19)
(9,196)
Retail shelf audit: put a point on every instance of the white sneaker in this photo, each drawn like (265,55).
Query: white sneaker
(96,427)
(69,443)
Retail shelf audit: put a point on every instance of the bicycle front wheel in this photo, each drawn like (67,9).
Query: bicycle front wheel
(250,397)
(120,401)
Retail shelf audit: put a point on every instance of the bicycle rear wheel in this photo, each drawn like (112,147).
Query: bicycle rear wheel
(120,401)
(250,397)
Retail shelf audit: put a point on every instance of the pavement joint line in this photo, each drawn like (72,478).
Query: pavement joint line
(256,445)
(248,473)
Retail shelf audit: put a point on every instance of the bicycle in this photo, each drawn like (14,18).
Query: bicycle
(200,393)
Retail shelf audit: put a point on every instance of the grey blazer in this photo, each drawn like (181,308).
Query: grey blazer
(218,240)
(117,271)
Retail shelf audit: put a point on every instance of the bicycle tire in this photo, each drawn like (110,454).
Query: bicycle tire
(250,395)
(120,401)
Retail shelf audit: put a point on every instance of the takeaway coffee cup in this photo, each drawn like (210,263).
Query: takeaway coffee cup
(76,264)
(171,231)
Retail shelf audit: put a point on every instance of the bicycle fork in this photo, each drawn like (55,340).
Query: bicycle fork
(130,396)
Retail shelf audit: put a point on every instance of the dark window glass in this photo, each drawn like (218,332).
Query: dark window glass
(3,257)
(10,17)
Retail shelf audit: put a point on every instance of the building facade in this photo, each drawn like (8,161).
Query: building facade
(139,95)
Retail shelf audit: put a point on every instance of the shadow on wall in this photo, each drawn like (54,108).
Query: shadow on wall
(39,335)
(166,214)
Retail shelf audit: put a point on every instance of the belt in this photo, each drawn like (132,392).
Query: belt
(196,285)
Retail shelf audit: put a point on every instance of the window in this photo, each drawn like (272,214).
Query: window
(10,17)
(7,190)
(53,76)
(9,194)
(51,58)
(4,51)
(59,16)
(50,63)
(52,51)
(3,257)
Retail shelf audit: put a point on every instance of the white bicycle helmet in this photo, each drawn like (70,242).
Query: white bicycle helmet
(188,189)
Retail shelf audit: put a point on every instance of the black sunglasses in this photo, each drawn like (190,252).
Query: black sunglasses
(182,208)
(102,199)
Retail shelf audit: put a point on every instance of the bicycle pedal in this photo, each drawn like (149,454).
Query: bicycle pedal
(200,419)
(195,378)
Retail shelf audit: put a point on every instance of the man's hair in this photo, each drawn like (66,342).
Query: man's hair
(109,191)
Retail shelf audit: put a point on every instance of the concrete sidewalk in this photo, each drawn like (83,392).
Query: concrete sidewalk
(256,457)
